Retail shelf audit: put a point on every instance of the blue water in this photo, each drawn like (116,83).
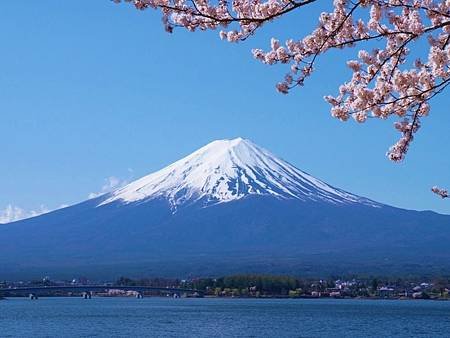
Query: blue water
(167,317)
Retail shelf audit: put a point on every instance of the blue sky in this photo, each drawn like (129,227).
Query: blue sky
(91,90)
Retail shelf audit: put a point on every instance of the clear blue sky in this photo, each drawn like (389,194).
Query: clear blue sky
(90,90)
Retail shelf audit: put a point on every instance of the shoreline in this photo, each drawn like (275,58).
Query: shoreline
(246,298)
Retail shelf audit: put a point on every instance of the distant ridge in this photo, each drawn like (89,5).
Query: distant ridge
(229,207)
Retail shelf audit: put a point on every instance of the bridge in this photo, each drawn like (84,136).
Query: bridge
(86,290)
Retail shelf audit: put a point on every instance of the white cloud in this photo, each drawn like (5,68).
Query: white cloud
(111,183)
(14,213)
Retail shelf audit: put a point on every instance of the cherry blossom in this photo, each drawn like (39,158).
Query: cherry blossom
(441,192)
(389,81)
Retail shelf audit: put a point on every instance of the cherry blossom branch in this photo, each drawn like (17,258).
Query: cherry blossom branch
(379,86)
(385,81)
(202,14)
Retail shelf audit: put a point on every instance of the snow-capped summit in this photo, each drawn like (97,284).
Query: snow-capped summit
(227,170)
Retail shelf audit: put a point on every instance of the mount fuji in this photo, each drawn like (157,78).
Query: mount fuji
(229,207)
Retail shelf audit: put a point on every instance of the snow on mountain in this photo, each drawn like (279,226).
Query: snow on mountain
(227,170)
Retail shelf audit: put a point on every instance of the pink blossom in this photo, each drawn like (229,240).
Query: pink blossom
(441,192)
(283,87)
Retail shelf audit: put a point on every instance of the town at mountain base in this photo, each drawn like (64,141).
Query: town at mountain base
(230,207)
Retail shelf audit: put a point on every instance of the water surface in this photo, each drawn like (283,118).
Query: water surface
(167,317)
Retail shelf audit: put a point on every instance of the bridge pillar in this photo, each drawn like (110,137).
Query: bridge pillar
(32,296)
(139,295)
(87,295)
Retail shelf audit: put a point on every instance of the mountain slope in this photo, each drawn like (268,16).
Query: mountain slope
(231,206)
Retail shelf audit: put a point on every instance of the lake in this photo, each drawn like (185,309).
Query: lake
(203,317)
